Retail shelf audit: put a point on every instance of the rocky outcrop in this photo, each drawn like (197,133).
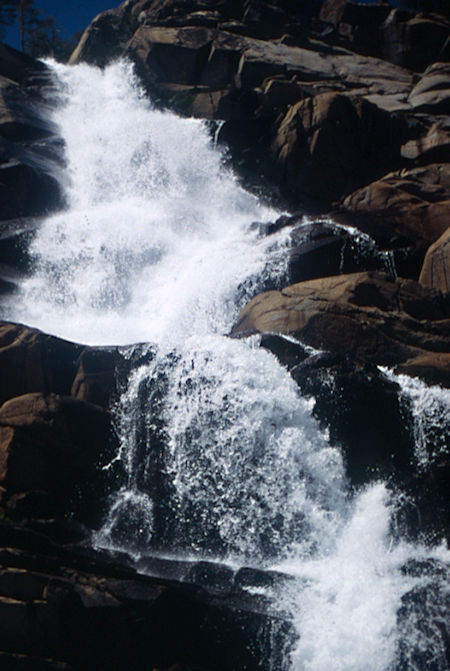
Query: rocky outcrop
(400,36)
(436,268)
(403,212)
(366,317)
(317,100)
(55,429)
(331,144)
(30,158)
(75,609)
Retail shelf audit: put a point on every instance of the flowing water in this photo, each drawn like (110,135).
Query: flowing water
(221,454)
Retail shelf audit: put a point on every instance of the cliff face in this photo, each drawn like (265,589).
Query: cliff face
(338,110)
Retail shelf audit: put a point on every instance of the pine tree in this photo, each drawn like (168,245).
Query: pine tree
(28,18)
(7,15)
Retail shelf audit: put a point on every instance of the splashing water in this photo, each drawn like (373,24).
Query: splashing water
(155,239)
(222,456)
(429,406)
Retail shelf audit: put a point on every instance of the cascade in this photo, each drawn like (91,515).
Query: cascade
(222,457)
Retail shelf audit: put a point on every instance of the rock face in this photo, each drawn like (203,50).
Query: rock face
(55,430)
(436,268)
(367,317)
(74,610)
(30,158)
(318,100)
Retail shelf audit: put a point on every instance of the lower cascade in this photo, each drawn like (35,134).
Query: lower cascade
(220,457)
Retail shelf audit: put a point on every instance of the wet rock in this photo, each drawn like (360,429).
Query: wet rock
(323,248)
(215,578)
(427,596)
(31,361)
(15,236)
(66,607)
(95,379)
(361,410)
(57,445)
(30,155)
(428,488)
(366,317)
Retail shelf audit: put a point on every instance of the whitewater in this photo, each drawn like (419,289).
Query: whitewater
(159,245)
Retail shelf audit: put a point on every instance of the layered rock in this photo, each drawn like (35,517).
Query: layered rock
(367,317)
(436,268)
(69,609)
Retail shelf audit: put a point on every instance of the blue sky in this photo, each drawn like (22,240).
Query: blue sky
(70,15)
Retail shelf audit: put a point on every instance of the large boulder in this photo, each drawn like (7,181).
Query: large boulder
(367,318)
(54,446)
(323,247)
(404,212)
(31,361)
(432,92)
(105,37)
(436,267)
(400,36)
(327,146)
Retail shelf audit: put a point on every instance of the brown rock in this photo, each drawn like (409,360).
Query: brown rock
(328,145)
(95,378)
(431,146)
(402,37)
(405,211)
(55,444)
(364,317)
(31,361)
(436,268)
(432,92)
(171,55)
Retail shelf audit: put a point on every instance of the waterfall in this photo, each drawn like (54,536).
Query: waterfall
(222,457)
